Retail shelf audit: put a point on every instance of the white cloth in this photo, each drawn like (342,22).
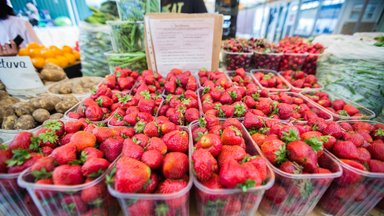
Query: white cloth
(12,27)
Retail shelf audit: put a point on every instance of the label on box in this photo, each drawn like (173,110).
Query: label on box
(187,42)
(18,73)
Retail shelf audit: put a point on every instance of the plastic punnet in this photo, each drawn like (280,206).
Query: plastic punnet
(292,61)
(269,61)
(234,60)
(223,202)
(274,73)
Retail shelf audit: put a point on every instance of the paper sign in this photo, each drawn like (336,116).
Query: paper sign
(18,73)
(184,41)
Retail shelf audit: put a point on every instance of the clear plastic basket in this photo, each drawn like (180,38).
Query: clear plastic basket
(219,202)
(67,200)
(136,9)
(353,198)
(292,61)
(233,60)
(275,74)
(366,113)
(310,63)
(305,89)
(136,61)
(269,61)
(127,36)
(79,107)
(231,74)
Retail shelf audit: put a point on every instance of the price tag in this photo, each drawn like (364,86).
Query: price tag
(184,41)
(18,74)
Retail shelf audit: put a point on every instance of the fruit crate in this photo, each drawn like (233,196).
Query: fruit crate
(70,200)
(356,192)
(366,113)
(305,89)
(14,199)
(298,194)
(292,61)
(316,108)
(248,77)
(224,202)
(136,61)
(234,60)
(269,61)
(286,86)
(79,107)
(310,63)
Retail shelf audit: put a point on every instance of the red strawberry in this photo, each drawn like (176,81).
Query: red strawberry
(277,194)
(302,153)
(338,104)
(211,121)
(141,207)
(125,83)
(191,114)
(364,155)
(329,142)
(346,126)
(345,150)
(213,182)
(226,111)
(21,141)
(285,111)
(231,136)
(112,147)
(252,121)
(5,154)
(91,152)
(361,126)
(349,176)
(64,154)
(151,129)
(232,122)
(232,174)
(43,166)
(132,150)
(131,175)
(351,110)
(153,158)
(67,175)
(156,143)
(290,167)
(176,141)
(92,193)
(73,126)
(231,152)
(274,150)
(154,182)
(94,167)
(333,129)
(103,133)
(253,175)
(104,101)
(167,127)
(261,166)
(21,160)
(376,166)
(94,113)
(210,142)
(73,202)
(354,137)
(172,186)
(204,164)
(377,151)
(175,165)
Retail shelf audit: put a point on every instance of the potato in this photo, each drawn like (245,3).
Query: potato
(56,116)
(25,122)
(48,102)
(52,72)
(65,89)
(40,115)
(9,122)
(2,86)
(9,101)
(64,105)
(6,111)
(23,108)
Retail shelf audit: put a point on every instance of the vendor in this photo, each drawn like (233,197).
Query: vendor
(11,26)
(183,6)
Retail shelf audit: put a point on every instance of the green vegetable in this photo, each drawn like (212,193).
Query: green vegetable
(127,36)
(380,41)
(98,17)
(135,61)
(134,10)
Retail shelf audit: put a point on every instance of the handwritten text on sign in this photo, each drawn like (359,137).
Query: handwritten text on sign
(19,73)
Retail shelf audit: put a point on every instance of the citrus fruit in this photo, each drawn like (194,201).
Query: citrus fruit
(67,49)
(77,55)
(34,45)
(56,50)
(63,62)
(38,62)
(48,53)
(23,52)
(36,52)
(52,60)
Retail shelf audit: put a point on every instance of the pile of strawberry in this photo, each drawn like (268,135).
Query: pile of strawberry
(299,79)
(241,78)
(270,81)
(337,107)
(149,81)
(154,161)
(181,109)
(214,78)
(177,82)
(120,80)
(138,109)
(237,45)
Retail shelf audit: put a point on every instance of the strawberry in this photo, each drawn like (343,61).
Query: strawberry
(274,150)
(21,160)
(91,152)
(151,129)
(67,175)
(153,158)
(125,83)
(277,194)
(232,174)
(21,141)
(232,122)
(176,141)
(333,129)
(5,154)
(302,153)
(346,126)
(355,138)
(329,142)
(172,186)
(175,165)
(156,143)
(211,121)
(349,176)
(376,166)
(153,183)
(103,133)
(377,151)
(167,127)
(94,113)
(285,111)
(64,154)
(112,147)
(361,126)
(345,150)
(261,166)
(291,167)
(131,175)
(351,110)
(210,142)
(131,149)
(231,136)
(141,207)
(73,203)
(43,167)
(204,164)
(252,121)
(94,167)
(94,192)
(253,175)
(231,152)
(364,155)
(191,114)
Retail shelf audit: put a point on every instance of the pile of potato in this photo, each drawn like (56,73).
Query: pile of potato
(81,85)
(29,114)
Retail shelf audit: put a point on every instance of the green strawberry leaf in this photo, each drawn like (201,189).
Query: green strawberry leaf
(93,90)
(135,140)
(124,99)
(343,113)
(186,101)
(267,76)
(306,188)
(48,136)
(69,207)
(118,74)
(247,184)
(256,96)
(233,95)
(169,98)
(54,125)
(221,113)
(3,147)
(236,130)
(41,174)
(281,154)
(206,90)
(199,135)
(96,174)
(315,143)
(217,106)
(97,202)
(178,82)
(239,110)
(314,127)
(324,139)
(291,136)
(139,127)
(18,158)
(263,130)
(161,209)
(118,116)
(379,132)
(109,178)
(35,144)
(146,94)
(202,122)
(99,101)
